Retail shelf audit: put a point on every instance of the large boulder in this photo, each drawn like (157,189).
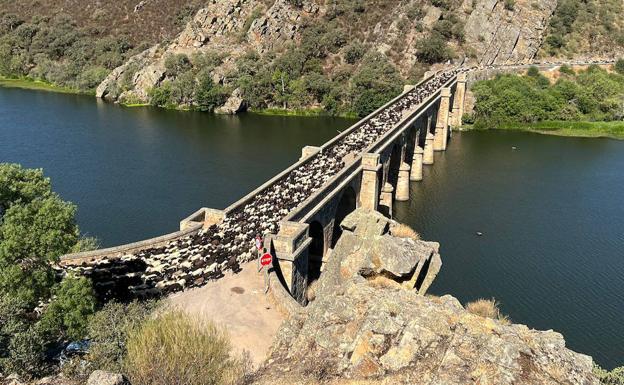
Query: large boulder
(102,377)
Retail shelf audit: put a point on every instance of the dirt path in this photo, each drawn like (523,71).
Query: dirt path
(238,302)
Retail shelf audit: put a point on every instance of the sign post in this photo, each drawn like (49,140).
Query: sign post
(266,260)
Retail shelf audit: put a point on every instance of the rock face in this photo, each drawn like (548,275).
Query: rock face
(506,36)
(358,331)
(494,35)
(219,27)
(234,104)
(101,377)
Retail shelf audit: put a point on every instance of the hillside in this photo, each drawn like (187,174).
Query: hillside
(339,57)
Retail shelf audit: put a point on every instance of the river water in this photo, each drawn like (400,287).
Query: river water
(550,211)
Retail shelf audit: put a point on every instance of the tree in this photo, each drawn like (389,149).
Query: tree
(31,237)
(20,185)
(376,82)
(176,64)
(207,95)
(66,316)
(354,52)
(433,49)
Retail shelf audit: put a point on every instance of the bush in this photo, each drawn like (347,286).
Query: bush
(614,377)
(160,96)
(376,82)
(354,52)
(177,64)
(509,4)
(487,308)
(175,348)
(21,344)
(619,66)
(401,230)
(208,96)
(433,49)
(67,315)
(109,329)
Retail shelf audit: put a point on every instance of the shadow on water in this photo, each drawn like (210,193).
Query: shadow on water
(552,219)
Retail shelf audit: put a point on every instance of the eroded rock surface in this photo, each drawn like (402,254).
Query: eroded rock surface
(360,331)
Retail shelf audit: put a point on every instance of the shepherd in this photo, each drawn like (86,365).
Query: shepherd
(259,248)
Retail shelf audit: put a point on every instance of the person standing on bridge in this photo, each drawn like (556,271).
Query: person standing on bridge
(259,247)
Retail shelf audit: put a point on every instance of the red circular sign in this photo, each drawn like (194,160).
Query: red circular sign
(266,259)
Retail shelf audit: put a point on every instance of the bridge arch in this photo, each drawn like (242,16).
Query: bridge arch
(346,205)
(316,250)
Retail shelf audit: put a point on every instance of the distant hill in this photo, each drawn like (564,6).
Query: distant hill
(338,56)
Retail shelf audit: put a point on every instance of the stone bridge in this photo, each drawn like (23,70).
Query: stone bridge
(299,211)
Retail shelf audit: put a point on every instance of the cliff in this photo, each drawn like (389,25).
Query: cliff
(481,31)
(364,327)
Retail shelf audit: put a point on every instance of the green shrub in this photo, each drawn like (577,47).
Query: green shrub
(175,348)
(619,66)
(208,96)
(509,4)
(21,344)
(354,52)
(176,64)
(109,329)
(160,96)
(433,49)
(375,83)
(67,315)
(614,377)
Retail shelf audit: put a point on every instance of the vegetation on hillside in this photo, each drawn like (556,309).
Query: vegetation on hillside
(592,95)
(57,51)
(585,26)
(333,67)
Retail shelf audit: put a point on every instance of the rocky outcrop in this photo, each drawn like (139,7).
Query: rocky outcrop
(360,331)
(218,27)
(507,34)
(102,377)
(234,104)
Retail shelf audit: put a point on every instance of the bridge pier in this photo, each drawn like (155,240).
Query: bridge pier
(369,190)
(417,163)
(290,248)
(402,193)
(458,101)
(441,131)
(428,152)
(385,200)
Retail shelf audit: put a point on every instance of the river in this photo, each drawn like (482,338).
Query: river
(550,210)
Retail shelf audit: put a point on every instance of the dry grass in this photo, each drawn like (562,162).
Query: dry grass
(311,290)
(175,348)
(488,308)
(404,231)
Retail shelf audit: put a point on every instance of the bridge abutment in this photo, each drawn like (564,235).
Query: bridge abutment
(402,193)
(290,247)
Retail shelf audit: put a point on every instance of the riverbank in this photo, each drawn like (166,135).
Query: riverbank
(613,130)
(38,85)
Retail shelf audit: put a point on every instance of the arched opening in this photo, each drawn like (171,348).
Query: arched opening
(395,164)
(316,251)
(346,205)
